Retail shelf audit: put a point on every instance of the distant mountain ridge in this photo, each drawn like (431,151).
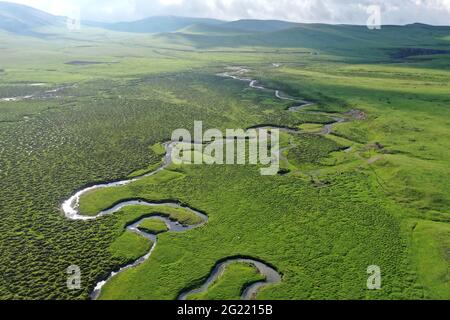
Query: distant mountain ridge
(157,24)
(162,24)
(253,25)
(205,34)
(21,19)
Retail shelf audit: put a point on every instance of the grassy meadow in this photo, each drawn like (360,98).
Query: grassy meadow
(373,192)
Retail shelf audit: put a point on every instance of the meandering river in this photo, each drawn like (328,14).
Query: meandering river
(172,226)
(70,207)
(271,277)
(239,73)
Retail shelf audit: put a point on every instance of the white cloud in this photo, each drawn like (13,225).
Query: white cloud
(328,11)
(171,2)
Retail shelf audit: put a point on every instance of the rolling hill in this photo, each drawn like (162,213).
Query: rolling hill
(22,19)
(157,24)
(216,30)
(161,24)
(252,25)
(348,40)
(201,33)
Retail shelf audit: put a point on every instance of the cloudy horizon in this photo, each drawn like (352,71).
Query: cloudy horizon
(435,12)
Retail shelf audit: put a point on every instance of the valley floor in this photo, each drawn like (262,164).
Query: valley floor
(371,189)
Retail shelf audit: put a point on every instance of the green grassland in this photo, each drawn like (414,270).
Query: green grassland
(130,246)
(324,232)
(229,286)
(153,226)
(386,201)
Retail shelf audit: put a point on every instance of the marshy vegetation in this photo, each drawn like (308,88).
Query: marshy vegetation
(320,225)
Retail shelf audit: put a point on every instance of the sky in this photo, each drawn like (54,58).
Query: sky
(436,12)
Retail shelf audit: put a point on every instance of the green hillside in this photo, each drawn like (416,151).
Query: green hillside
(259,25)
(21,19)
(215,30)
(344,40)
(156,24)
